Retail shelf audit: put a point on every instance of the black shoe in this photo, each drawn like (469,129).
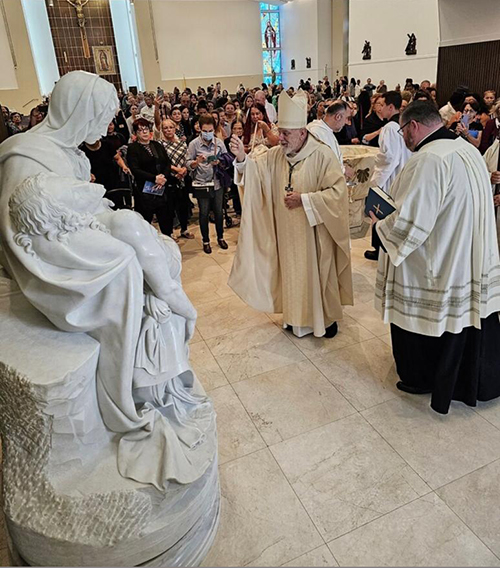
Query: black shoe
(207,248)
(371,254)
(332,330)
(222,243)
(411,390)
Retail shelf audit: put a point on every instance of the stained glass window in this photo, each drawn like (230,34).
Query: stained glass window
(271,42)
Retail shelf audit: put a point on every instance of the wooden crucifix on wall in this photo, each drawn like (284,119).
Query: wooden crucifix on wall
(78,5)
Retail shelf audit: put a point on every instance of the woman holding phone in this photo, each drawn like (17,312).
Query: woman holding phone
(259,131)
(469,126)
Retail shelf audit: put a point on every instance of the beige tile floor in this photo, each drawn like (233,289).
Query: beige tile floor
(323,462)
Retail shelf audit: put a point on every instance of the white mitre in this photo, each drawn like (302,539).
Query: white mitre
(292,111)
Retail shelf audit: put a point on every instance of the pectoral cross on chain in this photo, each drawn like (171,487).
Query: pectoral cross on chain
(377,209)
(289,187)
(78,5)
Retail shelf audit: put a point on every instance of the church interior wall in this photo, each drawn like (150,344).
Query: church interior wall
(385,24)
(8,79)
(325,32)
(464,22)
(24,93)
(340,38)
(42,44)
(223,43)
(300,39)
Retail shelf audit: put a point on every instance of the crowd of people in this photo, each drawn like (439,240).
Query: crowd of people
(438,283)
(163,149)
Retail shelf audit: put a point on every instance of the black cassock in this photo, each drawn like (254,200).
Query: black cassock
(461,366)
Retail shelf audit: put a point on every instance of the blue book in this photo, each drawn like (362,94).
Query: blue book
(381,203)
(153,188)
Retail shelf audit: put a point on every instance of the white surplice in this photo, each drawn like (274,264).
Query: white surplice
(441,271)
(392,157)
(320,130)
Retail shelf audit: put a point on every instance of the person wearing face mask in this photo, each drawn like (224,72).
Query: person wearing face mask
(202,158)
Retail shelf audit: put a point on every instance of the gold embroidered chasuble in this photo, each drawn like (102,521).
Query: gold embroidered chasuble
(283,264)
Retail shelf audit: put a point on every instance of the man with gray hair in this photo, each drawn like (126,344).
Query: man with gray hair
(293,253)
(438,280)
(260,97)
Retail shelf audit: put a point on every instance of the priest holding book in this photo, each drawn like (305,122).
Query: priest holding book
(293,253)
(438,279)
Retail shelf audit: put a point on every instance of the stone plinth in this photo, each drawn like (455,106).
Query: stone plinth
(65,502)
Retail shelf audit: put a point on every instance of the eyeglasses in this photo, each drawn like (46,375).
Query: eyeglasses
(400,131)
(143,129)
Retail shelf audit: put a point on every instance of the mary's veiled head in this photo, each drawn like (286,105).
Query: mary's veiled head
(81,107)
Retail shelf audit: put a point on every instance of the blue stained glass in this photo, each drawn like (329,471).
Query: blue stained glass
(267,64)
(271,42)
(270,31)
(275,23)
(277,62)
(264,19)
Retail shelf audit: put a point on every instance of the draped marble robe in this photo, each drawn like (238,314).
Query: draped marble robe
(294,261)
(95,284)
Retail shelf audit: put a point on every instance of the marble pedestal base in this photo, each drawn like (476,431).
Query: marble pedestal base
(65,502)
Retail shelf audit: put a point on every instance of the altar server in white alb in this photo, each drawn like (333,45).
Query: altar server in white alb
(293,252)
(392,157)
(334,120)
(438,283)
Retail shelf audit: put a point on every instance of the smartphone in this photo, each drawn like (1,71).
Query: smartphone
(465,120)
(212,158)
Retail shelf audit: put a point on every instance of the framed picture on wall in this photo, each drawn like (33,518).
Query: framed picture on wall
(104,60)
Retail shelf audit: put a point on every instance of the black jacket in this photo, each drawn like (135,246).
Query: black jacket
(146,167)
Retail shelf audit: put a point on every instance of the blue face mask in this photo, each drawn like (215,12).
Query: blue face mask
(207,136)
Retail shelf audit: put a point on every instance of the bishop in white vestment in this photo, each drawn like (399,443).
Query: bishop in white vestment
(438,283)
(293,252)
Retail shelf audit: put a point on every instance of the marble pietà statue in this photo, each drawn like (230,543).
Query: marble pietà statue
(110,275)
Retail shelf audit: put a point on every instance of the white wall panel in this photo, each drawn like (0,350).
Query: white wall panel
(8,78)
(386,23)
(466,21)
(204,39)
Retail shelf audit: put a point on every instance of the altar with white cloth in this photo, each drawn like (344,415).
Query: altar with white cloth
(362,160)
